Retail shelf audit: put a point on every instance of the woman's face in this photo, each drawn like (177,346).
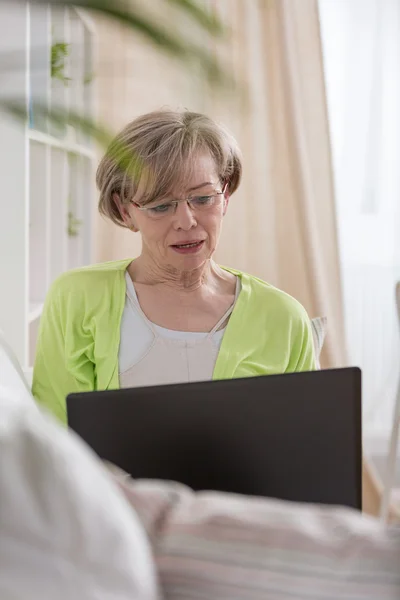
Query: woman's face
(186,238)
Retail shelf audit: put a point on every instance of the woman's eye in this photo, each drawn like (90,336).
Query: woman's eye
(160,208)
(199,200)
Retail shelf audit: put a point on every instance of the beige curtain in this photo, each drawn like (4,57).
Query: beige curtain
(307,248)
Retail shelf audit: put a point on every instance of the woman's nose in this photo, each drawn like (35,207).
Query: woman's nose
(184,217)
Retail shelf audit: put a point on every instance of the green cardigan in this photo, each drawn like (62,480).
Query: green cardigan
(268,332)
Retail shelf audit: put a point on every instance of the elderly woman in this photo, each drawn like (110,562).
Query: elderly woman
(171,314)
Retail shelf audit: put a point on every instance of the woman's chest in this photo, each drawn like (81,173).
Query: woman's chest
(187,314)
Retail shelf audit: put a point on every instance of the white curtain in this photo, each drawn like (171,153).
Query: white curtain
(361,46)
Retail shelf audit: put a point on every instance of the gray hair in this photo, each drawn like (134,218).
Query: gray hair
(162,146)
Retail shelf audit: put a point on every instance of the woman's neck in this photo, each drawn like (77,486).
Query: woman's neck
(147,271)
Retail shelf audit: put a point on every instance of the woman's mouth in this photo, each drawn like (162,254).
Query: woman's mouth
(188,247)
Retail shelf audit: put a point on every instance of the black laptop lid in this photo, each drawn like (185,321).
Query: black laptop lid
(295,437)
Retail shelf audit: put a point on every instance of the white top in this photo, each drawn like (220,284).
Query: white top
(153,355)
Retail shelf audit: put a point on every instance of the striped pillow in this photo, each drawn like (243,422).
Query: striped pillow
(214,546)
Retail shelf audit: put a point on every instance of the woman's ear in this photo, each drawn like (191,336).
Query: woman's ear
(124,212)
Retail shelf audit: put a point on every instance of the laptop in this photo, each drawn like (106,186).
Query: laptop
(295,436)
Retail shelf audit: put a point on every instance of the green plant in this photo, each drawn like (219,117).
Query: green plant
(59,53)
(73,225)
(88,78)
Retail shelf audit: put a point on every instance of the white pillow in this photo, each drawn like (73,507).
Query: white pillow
(66,531)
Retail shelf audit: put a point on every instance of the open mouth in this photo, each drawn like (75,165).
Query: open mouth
(188,246)
(191,245)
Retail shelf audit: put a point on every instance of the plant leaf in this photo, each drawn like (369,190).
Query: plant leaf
(207,19)
(119,10)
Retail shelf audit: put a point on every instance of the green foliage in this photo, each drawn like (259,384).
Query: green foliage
(88,78)
(59,53)
(73,225)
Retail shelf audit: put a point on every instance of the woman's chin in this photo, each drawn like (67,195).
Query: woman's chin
(190,260)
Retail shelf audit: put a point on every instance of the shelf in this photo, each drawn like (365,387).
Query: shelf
(39,166)
(35,310)
(59,193)
(49,140)
(48,227)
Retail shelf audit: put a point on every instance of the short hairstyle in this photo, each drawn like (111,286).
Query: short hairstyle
(162,146)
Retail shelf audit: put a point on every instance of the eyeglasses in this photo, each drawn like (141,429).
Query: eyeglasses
(168,209)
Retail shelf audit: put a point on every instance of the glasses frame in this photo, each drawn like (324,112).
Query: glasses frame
(175,203)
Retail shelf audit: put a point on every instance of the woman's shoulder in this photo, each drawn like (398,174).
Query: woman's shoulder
(264,297)
(89,280)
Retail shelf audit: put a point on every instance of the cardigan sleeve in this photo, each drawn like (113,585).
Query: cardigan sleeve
(62,363)
(302,356)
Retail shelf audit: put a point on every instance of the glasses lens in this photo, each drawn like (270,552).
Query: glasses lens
(203,202)
(161,210)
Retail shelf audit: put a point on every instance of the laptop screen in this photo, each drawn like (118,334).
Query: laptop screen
(295,437)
